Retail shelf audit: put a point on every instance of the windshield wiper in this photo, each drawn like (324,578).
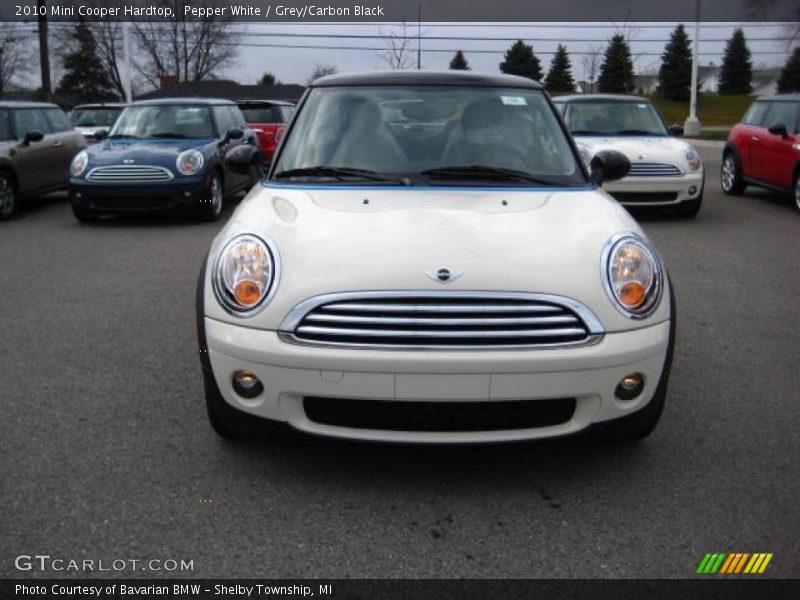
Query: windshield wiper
(123,136)
(586,132)
(169,134)
(637,132)
(485,172)
(340,173)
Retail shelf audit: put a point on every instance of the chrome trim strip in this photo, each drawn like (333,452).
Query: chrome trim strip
(353,319)
(129,173)
(427,333)
(438,308)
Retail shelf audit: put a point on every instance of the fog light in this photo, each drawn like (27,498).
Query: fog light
(246,384)
(630,386)
(692,190)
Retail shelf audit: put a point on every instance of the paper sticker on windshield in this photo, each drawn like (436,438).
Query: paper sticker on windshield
(641,105)
(513,100)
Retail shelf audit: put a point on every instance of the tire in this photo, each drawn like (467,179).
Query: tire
(213,196)
(690,208)
(85,215)
(642,423)
(796,190)
(8,196)
(224,419)
(731,175)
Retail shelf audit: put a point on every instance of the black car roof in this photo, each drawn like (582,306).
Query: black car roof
(454,78)
(600,97)
(23,104)
(780,98)
(101,105)
(173,101)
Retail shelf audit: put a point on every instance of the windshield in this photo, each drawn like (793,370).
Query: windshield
(614,118)
(94,117)
(164,121)
(428,134)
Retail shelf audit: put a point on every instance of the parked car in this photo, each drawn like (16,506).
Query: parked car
(91,119)
(664,171)
(764,149)
(429,260)
(37,144)
(268,119)
(167,154)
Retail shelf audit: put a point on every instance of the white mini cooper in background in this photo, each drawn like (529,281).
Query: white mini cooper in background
(428,260)
(664,171)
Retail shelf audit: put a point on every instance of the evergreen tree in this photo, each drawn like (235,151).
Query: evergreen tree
(675,74)
(736,74)
(616,72)
(559,77)
(459,62)
(520,60)
(789,80)
(268,79)
(85,79)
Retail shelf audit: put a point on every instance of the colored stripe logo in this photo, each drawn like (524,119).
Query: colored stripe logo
(734,563)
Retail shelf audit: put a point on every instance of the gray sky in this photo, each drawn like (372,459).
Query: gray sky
(293,65)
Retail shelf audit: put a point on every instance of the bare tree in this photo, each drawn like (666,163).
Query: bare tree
(399,47)
(188,49)
(15,56)
(591,66)
(321,70)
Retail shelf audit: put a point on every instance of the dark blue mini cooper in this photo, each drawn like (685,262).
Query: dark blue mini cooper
(180,153)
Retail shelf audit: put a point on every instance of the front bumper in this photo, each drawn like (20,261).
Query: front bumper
(656,191)
(291,373)
(184,193)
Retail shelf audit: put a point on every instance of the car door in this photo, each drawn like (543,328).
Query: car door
(749,134)
(37,163)
(65,141)
(777,155)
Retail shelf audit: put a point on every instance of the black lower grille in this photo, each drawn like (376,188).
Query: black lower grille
(644,196)
(394,415)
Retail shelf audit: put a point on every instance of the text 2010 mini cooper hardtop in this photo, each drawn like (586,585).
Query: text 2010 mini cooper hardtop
(429,261)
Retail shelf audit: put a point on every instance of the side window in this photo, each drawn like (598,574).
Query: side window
(30,119)
(236,116)
(58,120)
(755,114)
(784,113)
(223,118)
(286,112)
(5,126)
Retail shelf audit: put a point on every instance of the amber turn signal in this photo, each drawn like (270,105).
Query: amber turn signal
(632,294)
(247,292)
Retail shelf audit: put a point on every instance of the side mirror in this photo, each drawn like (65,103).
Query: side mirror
(243,159)
(32,136)
(675,130)
(779,129)
(234,133)
(609,165)
(101,134)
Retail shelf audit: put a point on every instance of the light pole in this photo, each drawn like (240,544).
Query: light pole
(692,126)
(126,47)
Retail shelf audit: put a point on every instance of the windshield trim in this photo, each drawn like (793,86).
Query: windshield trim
(426,187)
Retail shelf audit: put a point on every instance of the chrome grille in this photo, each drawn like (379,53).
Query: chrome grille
(648,169)
(129,173)
(450,320)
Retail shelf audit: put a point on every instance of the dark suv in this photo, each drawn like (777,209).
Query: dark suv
(37,143)
(764,149)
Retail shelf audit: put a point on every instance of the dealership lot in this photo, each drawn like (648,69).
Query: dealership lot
(107,454)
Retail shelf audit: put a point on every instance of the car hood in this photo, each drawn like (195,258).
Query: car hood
(639,149)
(345,240)
(143,151)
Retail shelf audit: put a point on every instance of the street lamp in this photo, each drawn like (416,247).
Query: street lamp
(692,126)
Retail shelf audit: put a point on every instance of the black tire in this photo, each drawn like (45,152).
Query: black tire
(731,182)
(223,418)
(640,424)
(9,198)
(212,198)
(689,208)
(796,190)
(85,215)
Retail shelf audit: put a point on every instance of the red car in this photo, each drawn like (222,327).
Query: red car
(764,149)
(268,119)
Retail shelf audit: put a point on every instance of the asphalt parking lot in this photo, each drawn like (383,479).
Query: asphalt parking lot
(105,451)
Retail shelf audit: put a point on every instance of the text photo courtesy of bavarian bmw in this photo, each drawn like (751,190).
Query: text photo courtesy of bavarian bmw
(171,154)
(428,260)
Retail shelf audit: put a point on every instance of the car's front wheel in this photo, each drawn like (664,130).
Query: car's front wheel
(8,197)
(212,198)
(690,208)
(85,215)
(797,189)
(731,176)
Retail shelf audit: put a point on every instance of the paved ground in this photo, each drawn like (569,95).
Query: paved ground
(105,451)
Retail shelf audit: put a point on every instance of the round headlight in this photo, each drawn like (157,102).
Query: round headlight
(633,276)
(189,162)
(79,164)
(693,159)
(244,274)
